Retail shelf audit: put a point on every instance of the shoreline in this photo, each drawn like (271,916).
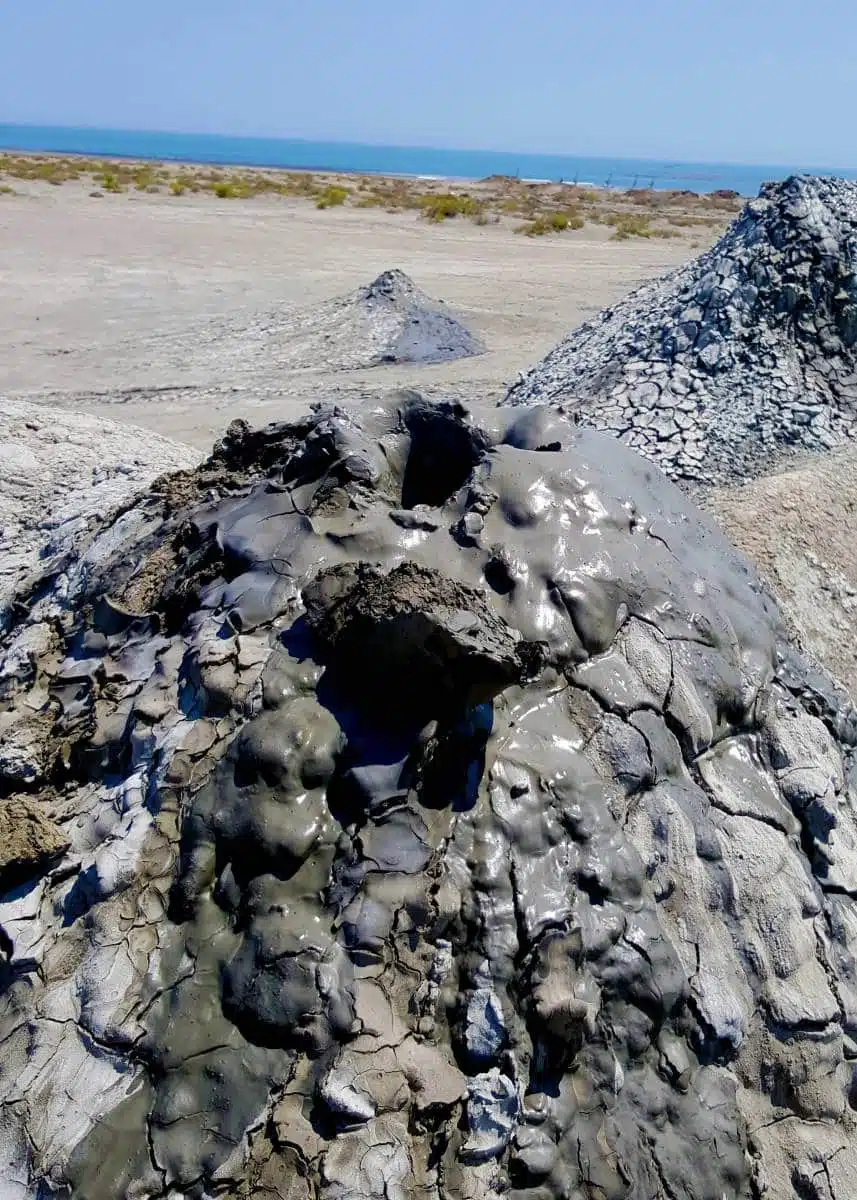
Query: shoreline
(533,207)
(345,172)
(410,162)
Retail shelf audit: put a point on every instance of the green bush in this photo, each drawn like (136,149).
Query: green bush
(556,222)
(446,205)
(627,225)
(332,196)
(184,182)
(570,219)
(56,173)
(44,170)
(109,181)
(145,179)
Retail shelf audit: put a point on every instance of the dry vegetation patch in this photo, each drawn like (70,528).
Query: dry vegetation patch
(531,208)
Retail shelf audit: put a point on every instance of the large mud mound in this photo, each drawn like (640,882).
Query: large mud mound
(736,360)
(422,806)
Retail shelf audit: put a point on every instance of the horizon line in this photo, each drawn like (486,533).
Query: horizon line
(385,145)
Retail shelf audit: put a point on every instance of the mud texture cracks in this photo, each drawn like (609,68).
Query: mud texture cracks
(736,361)
(436,810)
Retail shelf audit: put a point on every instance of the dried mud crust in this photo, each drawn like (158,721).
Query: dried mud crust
(61,472)
(30,840)
(452,820)
(739,359)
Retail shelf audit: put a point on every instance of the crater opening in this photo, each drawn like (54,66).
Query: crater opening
(442,455)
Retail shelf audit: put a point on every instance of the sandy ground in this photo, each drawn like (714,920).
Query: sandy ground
(100,298)
(798,527)
(148,310)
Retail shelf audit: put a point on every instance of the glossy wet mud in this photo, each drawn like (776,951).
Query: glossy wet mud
(447,816)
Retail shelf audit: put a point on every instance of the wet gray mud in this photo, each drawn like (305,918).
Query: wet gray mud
(735,362)
(440,812)
(419,329)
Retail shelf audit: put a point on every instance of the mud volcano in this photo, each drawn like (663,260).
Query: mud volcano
(733,362)
(389,321)
(428,805)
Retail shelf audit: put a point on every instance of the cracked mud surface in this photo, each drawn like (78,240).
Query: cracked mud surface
(446,816)
(61,471)
(734,362)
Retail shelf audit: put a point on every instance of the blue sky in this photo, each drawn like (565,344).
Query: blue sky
(768,81)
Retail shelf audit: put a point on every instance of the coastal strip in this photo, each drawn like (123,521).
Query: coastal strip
(533,208)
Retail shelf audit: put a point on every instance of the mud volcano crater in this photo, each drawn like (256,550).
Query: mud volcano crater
(433,807)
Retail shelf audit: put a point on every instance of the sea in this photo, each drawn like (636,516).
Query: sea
(416,161)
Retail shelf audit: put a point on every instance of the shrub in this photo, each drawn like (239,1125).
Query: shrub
(627,225)
(5,190)
(144,179)
(569,219)
(184,182)
(54,173)
(109,181)
(45,170)
(445,205)
(555,222)
(537,228)
(331,196)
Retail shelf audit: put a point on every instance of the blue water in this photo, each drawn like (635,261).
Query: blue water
(399,160)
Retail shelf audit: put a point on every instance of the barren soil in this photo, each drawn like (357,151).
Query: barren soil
(146,308)
(798,528)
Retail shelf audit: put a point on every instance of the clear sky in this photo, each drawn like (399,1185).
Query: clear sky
(770,81)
